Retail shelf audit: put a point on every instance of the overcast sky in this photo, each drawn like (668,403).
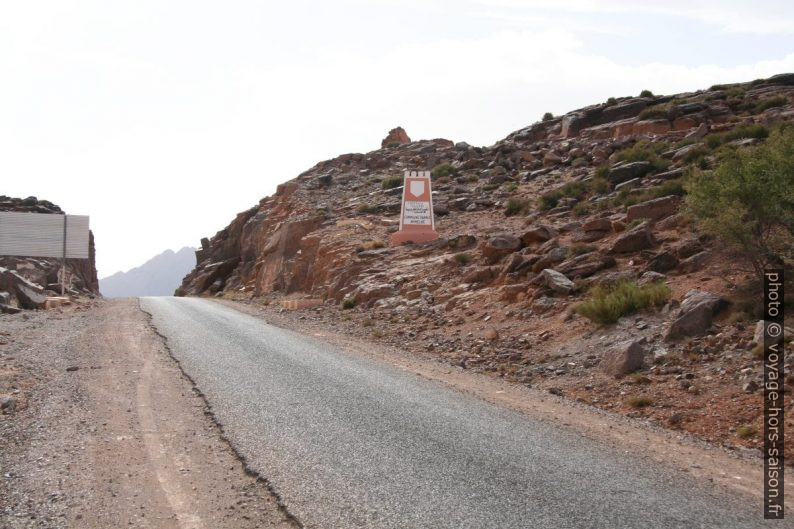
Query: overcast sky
(163,119)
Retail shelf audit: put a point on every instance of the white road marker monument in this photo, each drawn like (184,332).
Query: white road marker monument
(417,223)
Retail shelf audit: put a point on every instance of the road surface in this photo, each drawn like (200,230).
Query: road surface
(348,442)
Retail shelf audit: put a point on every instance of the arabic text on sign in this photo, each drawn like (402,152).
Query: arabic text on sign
(417,213)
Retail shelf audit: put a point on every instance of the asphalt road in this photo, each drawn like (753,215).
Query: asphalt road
(348,442)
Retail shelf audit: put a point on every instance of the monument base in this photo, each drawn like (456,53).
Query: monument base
(401,237)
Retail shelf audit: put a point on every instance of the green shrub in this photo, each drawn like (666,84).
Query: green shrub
(686,141)
(735,91)
(657,112)
(741,132)
(462,258)
(548,116)
(607,303)
(571,189)
(634,223)
(639,401)
(629,197)
(582,208)
(612,102)
(366,208)
(600,184)
(696,153)
(756,82)
(646,93)
(747,202)
(770,102)
(745,431)
(348,303)
(443,169)
(645,151)
(514,206)
(579,249)
(390,182)
(748,130)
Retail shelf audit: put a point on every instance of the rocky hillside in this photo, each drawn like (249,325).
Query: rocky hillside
(531,228)
(25,282)
(158,276)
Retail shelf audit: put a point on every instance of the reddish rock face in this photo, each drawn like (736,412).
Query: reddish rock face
(655,126)
(396,136)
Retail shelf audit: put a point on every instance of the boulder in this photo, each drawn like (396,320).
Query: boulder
(482,274)
(600,224)
(687,248)
(624,358)
(683,152)
(552,257)
(655,209)
(369,292)
(699,132)
(634,240)
(29,295)
(585,265)
(628,171)
(497,247)
(513,263)
(694,263)
(539,233)
(588,236)
(651,277)
(668,175)
(694,322)
(550,159)
(695,315)
(628,184)
(662,262)
(557,281)
(695,298)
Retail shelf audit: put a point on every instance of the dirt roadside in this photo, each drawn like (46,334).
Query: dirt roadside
(104,430)
(740,471)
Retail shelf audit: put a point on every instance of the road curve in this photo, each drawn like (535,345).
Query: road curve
(348,442)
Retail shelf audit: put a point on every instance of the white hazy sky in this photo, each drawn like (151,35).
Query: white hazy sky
(163,119)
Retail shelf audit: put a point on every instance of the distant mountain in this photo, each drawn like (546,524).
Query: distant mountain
(159,276)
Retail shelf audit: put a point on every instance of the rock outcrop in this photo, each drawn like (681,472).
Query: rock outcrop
(397,136)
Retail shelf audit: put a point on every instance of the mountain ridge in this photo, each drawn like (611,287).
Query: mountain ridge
(158,276)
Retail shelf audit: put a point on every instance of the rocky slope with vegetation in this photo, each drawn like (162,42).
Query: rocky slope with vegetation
(26,282)
(608,255)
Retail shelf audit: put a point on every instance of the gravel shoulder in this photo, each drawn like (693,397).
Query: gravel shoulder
(104,430)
